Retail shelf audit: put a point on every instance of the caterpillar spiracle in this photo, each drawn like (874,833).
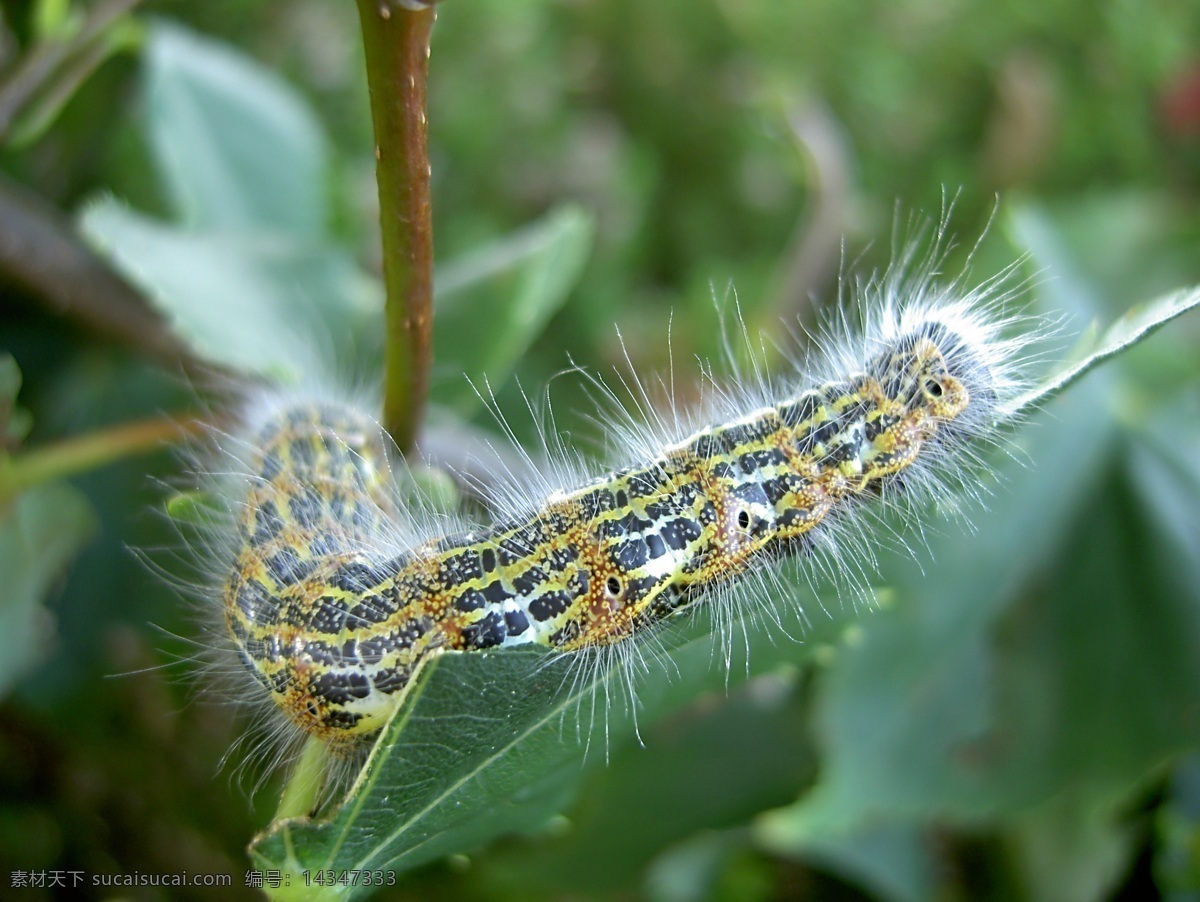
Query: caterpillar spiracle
(335,593)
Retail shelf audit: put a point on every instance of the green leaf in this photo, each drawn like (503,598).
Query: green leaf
(1096,687)
(1139,323)
(1177,856)
(252,284)
(254,303)
(238,148)
(491,743)
(39,535)
(196,508)
(63,82)
(54,20)
(1073,848)
(475,750)
(15,422)
(1164,470)
(901,711)
(993,685)
(755,756)
(891,860)
(493,303)
(687,871)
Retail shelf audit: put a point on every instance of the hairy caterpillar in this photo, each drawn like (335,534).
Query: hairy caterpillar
(335,594)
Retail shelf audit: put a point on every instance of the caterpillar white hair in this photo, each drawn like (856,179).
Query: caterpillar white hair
(334,593)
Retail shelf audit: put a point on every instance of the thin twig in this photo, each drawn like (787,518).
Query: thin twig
(80,454)
(40,65)
(813,251)
(396,40)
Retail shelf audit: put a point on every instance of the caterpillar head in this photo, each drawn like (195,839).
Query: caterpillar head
(932,371)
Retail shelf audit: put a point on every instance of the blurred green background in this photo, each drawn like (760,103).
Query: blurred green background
(1018,716)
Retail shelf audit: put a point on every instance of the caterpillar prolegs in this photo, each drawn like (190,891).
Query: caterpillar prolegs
(333,599)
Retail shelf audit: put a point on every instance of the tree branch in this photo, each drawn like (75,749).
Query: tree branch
(396,40)
(40,253)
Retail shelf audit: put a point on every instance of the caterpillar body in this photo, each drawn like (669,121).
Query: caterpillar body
(333,622)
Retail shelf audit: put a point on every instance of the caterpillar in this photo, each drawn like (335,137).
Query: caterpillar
(335,593)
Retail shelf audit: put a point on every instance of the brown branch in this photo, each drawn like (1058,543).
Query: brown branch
(41,254)
(396,40)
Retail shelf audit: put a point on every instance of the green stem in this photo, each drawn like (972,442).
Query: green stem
(42,64)
(303,788)
(396,42)
(87,452)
